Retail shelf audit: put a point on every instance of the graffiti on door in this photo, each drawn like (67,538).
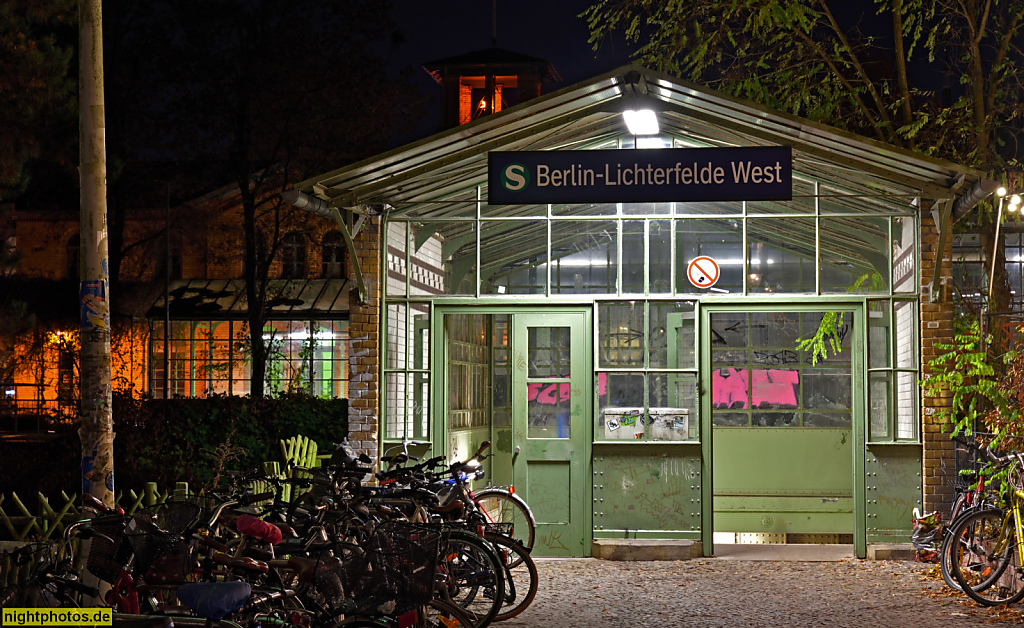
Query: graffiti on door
(754,388)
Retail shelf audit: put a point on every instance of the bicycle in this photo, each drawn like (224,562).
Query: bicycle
(971,495)
(987,544)
(50,583)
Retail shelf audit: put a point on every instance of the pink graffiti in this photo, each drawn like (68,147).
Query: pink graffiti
(769,388)
(549,394)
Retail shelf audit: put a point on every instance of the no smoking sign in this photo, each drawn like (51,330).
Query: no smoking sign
(703,272)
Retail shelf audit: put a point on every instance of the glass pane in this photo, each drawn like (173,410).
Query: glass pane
(330,359)
(781,254)
(583,256)
(828,419)
(730,389)
(548,351)
(621,335)
(397,336)
(458,253)
(501,371)
(397,420)
(774,389)
(855,255)
(396,247)
(906,400)
(548,408)
(659,260)
(504,211)
(775,330)
(904,233)
(879,394)
(671,335)
(721,240)
(879,347)
(730,419)
(513,257)
(585,209)
(724,208)
(620,406)
(426,242)
(646,209)
(774,419)
(729,338)
(241,364)
(673,397)
(419,337)
(768,208)
(761,379)
(634,260)
(468,368)
(905,314)
(827,389)
(834,329)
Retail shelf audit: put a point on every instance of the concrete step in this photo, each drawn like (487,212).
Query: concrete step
(646,549)
(671,549)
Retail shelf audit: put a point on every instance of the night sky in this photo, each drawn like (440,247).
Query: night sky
(549,29)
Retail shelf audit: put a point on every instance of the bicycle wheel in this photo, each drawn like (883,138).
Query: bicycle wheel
(441,614)
(520,576)
(946,557)
(501,506)
(984,558)
(961,507)
(471,576)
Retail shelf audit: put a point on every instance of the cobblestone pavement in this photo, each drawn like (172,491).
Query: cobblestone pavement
(715,592)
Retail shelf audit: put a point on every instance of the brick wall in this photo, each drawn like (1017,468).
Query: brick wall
(364,348)
(936,328)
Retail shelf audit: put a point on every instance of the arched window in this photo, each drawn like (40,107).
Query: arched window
(73,256)
(293,256)
(332,256)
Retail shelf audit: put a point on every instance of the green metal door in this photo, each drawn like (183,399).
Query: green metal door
(783,424)
(550,412)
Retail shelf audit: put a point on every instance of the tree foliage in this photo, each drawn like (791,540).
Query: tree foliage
(37,85)
(270,92)
(938,76)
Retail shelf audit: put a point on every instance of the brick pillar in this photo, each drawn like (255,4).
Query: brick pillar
(364,345)
(936,328)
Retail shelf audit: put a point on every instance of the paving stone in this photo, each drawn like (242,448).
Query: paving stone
(714,592)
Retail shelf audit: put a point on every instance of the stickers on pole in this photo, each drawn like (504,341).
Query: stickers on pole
(703,272)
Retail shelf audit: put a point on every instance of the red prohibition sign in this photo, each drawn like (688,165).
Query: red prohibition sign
(703,272)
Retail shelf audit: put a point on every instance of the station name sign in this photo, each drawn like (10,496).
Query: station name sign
(640,176)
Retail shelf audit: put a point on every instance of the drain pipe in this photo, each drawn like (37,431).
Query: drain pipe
(323,209)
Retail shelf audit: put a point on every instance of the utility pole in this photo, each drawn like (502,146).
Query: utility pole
(95,411)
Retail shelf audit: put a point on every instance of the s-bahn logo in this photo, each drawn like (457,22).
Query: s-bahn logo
(515,177)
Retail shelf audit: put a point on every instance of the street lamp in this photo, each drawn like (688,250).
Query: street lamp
(1011,206)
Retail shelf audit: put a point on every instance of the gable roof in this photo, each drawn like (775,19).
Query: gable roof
(435,176)
(491,61)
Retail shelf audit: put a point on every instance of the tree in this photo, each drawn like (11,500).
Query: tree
(38,102)
(269,92)
(936,76)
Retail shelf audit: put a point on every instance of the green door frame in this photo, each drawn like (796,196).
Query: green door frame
(859,406)
(439,433)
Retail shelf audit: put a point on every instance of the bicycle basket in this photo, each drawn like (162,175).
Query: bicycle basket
(155,534)
(109,551)
(394,570)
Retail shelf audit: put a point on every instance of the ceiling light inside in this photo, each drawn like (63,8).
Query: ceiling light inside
(641,121)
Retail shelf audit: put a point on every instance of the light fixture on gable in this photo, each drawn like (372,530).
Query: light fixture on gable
(641,121)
